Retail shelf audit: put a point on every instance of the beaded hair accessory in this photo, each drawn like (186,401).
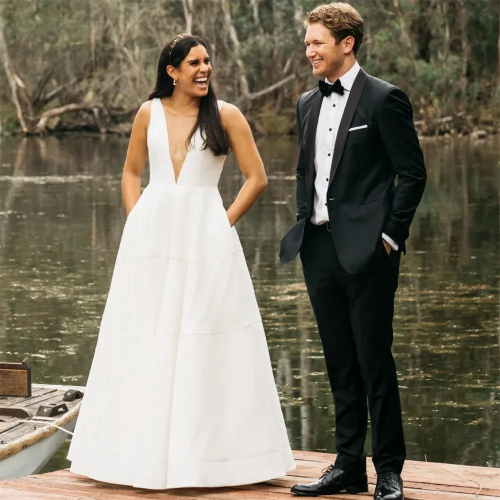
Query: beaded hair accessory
(176,39)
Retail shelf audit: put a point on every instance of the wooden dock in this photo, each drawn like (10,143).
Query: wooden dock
(423,481)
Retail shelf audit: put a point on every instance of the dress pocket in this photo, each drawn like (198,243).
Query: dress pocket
(134,208)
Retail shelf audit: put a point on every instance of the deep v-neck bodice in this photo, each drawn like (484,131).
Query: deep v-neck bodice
(199,168)
(176,179)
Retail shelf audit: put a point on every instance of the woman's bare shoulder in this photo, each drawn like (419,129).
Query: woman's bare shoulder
(229,110)
(231,116)
(144,113)
(145,108)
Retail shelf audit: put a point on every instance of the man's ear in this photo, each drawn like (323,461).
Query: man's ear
(348,43)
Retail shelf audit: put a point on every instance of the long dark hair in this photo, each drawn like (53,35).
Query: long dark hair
(208,120)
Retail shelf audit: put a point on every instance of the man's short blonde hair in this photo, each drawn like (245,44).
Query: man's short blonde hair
(341,19)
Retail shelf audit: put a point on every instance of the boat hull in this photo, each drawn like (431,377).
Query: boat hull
(32,459)
(30,452)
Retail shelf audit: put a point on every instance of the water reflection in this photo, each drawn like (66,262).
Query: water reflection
(61,219)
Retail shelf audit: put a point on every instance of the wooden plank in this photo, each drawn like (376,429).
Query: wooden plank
(43,399)
(56,494)
(490,484)
(459,478)
(51,488)
(419,483)
(209,493)
(5,426)
(327,458)
(426,490)
(10,432)
(33,399)
(23,495)
(42,432)
(12,400)
(16,432)
(56,397)
(423,481)
(78,490)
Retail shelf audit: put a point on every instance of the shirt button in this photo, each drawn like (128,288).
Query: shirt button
(326,204)
(327,179)
(329,154)
(330,129)
(334,105)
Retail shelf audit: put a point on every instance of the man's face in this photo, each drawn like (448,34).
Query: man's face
(322,51)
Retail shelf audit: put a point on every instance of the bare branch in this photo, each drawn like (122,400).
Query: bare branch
(267,90)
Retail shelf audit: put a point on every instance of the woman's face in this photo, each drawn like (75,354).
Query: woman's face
(194,73)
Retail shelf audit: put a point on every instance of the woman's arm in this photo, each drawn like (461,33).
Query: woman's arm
(137,154)
(248,158)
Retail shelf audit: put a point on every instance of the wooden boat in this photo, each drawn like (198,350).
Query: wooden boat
(35,420)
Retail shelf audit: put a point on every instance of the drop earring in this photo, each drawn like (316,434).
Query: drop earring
(175,82)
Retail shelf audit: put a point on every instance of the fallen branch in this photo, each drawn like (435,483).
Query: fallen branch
(267,90)
(52,113)
(436,120)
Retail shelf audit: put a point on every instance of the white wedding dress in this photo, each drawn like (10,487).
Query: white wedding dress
(181,391)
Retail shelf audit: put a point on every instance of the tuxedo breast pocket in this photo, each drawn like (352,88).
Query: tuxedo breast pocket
(360,132)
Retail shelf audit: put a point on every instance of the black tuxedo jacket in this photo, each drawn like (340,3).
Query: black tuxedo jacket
(363,200)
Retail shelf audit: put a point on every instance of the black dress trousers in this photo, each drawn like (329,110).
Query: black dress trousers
(354,313)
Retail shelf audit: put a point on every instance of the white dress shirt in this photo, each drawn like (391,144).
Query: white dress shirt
(332,109)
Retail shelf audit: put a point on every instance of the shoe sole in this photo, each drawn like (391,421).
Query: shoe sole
(353,490)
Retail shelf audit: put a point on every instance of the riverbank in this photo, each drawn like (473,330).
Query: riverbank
(444,130)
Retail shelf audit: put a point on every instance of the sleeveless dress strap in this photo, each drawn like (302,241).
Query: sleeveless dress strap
(220,104)
(155,111)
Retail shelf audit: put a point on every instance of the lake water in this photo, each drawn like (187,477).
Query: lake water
(61,219)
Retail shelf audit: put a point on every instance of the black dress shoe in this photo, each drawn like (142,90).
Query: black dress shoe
(389,486)
(333,481)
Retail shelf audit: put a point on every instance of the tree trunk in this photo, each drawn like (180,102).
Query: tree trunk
(368,42)
(499,53)
(92,36)
(446,43)
(255,11)
(187,5)
(242,79)
(421,28)
(405,32)
(465,53)
(298,17)
(11,77)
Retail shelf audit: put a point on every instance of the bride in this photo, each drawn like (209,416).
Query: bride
(181,391)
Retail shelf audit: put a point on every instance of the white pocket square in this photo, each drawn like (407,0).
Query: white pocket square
(358,128)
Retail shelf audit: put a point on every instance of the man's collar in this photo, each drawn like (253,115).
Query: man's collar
(347,79)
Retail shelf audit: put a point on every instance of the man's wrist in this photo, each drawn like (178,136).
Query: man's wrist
(391,242)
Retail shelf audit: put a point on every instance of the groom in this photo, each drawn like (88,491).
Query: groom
(356,135)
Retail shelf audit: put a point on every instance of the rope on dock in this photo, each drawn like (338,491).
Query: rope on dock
(50,424)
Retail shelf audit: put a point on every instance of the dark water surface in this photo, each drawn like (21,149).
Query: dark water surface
(61,219)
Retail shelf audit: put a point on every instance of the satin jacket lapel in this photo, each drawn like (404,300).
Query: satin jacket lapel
(312,124)
(345,123)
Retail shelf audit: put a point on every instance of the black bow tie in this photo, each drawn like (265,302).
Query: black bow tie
(327,88)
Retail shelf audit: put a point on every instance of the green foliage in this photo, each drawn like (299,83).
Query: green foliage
(272,123)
